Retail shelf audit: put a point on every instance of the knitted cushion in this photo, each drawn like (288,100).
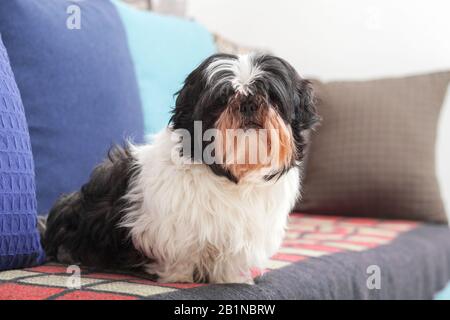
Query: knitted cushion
(19,239)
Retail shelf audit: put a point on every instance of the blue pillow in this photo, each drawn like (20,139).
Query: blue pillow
(19,239)
(165,50)
(74,70)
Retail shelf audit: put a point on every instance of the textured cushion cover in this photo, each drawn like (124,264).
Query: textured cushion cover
(165,50)
(374,154)
(19,239)
(78,87)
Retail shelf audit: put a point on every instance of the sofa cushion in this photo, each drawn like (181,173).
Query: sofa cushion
(19,238)
(165,50)
(78,85)
(374,154)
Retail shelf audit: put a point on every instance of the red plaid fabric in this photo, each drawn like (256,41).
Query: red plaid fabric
(307,237)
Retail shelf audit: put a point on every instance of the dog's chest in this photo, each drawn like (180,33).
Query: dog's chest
(190,210)
(219,212)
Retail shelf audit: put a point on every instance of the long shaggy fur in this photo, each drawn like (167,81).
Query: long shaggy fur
(82,227)
(199,226)
(196,221)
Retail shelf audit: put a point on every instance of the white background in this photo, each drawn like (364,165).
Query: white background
(344,39)
(336,39)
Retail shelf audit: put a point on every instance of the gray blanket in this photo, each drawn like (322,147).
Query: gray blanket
(414,266)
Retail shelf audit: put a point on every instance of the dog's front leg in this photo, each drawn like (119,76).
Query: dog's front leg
(230,270)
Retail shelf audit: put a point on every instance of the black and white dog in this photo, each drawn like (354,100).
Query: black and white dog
(179,208)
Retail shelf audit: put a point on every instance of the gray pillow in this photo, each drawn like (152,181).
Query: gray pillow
(374,153)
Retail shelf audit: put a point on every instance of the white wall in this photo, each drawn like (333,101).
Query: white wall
(335,39)
(443,153)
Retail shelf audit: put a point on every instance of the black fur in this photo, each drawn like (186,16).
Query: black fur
(280,84)
(82,227)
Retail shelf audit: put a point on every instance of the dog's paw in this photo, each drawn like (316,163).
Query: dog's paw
(249,281)
(176,278)
(169,276)
(236,279)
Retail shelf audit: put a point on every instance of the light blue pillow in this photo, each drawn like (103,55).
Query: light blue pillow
(165,50)
(444,294)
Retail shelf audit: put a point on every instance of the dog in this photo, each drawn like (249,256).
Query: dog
(175,211)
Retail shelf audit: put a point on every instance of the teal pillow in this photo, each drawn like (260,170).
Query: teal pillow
(444,294)
(165,50)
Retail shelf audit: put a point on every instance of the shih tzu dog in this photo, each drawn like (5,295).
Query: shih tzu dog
(209,198)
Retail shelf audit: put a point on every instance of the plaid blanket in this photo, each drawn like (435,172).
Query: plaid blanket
(322,257)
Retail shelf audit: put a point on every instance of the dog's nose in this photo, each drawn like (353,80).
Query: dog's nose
(248,108)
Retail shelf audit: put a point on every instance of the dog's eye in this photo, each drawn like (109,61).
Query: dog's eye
(273,99)
(223,96)
(222,100)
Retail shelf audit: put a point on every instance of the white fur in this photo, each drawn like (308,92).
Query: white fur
(244,72)
(191,220)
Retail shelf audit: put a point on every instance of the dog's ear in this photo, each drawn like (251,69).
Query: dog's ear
(305,114)
(187,98)
(306,111)
(191,94)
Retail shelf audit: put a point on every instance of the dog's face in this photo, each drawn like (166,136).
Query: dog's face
(258,97)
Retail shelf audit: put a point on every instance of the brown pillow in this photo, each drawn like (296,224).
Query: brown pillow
(374,153)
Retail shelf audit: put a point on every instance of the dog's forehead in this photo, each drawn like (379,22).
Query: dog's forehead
(246,74)
(240,72)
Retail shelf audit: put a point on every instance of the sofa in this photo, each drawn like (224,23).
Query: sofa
(87,84)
